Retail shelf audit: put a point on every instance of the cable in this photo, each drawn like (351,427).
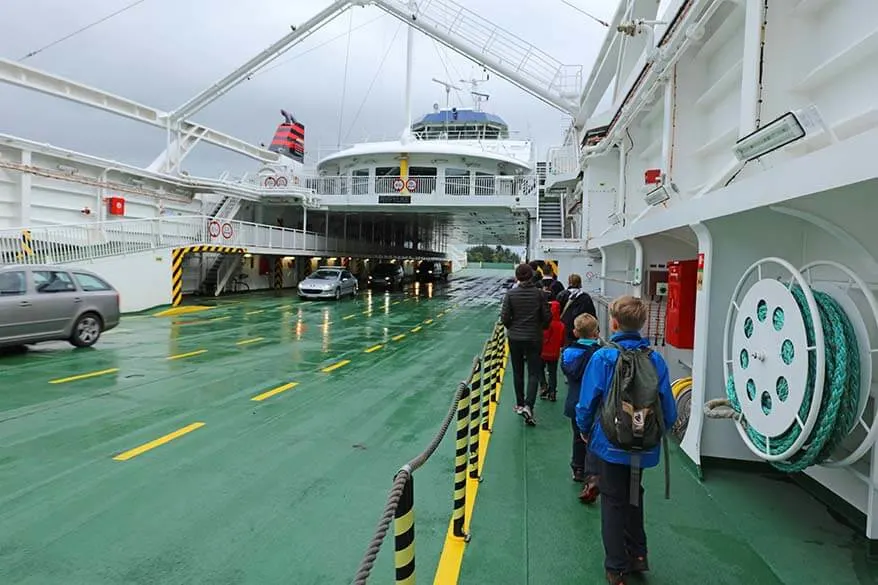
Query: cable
(344,85)
(374,79)
(841,393)
(315,47)
(83,29)
(591,16)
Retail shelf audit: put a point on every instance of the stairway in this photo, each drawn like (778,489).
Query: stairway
(226,208)
(208,285)
(550,218)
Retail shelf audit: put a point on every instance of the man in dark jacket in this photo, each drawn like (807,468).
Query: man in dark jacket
(525,314)
(574,302)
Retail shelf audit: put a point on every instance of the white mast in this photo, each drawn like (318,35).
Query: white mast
(407,132)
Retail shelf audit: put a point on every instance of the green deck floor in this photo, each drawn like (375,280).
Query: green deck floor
(286,490)
(736,528)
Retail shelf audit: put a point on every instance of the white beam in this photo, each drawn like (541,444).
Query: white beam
(29,78)
(274,51)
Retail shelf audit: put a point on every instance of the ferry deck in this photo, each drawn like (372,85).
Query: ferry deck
(254,442)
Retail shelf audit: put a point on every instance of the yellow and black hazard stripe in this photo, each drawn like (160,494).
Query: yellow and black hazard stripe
(26,247)
(278,272)
(177,257)
(404,536)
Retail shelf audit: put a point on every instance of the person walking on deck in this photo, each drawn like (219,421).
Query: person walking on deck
(525,314)
(553,337)
(574,302)
(624,413)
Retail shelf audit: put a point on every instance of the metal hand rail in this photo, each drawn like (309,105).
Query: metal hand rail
(471,404)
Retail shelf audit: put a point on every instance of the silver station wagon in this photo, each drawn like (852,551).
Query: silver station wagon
(50,303)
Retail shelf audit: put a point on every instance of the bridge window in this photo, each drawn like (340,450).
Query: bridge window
(360,182)
(456,181)
(384,178)
(484,183)
(425,177)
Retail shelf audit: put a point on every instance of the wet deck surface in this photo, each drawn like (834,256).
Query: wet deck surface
(287,489)
(735,528)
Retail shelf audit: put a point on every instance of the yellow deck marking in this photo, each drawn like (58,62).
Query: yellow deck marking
(249,341)
(398,337)
(255,312)
(181,310)
(348,317)
(448,571)
(374,348)
(395,302)
(335,366)
(428,321)
(158,442)
(220,318)
(84,376)
(416,329)
(366,312)
(180,356)
(274,392)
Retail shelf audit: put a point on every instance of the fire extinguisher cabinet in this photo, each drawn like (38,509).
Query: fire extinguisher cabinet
(682,288)
(116,205)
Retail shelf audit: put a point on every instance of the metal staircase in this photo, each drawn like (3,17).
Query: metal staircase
(551,218)
(227,208)
(499,50)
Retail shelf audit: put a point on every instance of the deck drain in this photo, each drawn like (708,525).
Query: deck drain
(359,446)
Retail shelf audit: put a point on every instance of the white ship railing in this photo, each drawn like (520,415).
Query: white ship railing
(451,186)
(563,160)
(89,241)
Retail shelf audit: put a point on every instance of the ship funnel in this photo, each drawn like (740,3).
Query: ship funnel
(289,139)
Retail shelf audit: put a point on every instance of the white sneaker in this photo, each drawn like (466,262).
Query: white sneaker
(518,409)
(528,416)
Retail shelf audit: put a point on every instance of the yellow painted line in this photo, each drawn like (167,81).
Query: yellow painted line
(367,312)
(398,337)
(374,348)
(180,356)
(348,317)
(448,571)
(395,302)
(181,310)
(249,341)
(335,366)
(416,329)
(158,442)
(220,318)
(84,376)
(428,321)
(255,312)
(274,392)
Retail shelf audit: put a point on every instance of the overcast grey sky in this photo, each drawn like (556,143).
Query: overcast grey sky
(161,52)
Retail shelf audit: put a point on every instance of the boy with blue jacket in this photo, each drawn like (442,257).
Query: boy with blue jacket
(574,360)
(621,511)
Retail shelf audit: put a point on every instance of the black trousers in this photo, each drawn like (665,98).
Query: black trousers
(621,523)
(583,459)
(552,368)
(523,352)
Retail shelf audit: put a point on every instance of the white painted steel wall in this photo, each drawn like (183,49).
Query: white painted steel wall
(143,280)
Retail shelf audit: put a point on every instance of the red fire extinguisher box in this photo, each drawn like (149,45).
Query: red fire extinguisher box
(116,205)
(682,288)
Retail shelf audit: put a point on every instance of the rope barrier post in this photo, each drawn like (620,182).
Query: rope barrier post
(501,362)
(487,381)
(460,464)
(475,411)
(404,533)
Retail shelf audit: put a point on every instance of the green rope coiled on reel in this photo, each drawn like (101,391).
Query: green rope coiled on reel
(841,390)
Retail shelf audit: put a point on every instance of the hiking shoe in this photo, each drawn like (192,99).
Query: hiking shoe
(614,578)
(578,475)
(528,414)
(589,493)
(638,564)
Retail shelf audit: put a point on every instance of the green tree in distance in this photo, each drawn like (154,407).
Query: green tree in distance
(498,255)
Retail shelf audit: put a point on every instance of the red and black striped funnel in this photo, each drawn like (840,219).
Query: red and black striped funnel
(289,139)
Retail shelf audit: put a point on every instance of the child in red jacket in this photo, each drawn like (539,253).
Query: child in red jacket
(553,338)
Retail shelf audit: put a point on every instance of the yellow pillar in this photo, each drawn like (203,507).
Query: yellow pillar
(404,172)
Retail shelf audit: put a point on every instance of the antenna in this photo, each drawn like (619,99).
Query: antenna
(448,87)
(477,95)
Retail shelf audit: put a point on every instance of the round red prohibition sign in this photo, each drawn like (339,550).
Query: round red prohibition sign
(398,184)
(411,184)
(214,229)
(227,230)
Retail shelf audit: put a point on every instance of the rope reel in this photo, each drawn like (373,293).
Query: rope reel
(682,391)
(798,364)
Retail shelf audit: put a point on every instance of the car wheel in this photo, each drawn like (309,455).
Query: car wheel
(86,330)
(338,294)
